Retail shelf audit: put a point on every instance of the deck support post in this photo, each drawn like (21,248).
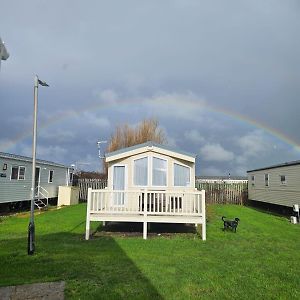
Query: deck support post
(204,230)
(87,226)
(144,230)
(103,223)
(87,230)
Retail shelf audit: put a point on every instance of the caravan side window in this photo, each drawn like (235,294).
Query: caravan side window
(267,178)
(17,173)
(21,173)
(50,179)
(282,179)
(14,173)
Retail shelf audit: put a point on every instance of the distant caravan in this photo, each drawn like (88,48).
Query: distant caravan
(16,175)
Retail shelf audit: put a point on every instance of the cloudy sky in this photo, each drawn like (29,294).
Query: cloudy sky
(222,77)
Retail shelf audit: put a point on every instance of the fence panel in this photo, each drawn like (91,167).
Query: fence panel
(84,184)
(218,193)
(224,193)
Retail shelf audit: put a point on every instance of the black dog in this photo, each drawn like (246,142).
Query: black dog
(231,224)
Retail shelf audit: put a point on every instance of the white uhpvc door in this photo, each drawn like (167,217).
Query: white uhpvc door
(119,185)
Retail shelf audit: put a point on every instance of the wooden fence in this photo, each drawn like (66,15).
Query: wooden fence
(218,193)
(84,184)
(224,193)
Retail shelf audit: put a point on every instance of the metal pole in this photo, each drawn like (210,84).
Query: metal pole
(102,157)
(31,227)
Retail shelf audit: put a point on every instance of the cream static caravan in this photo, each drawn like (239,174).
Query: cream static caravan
(148,183)
(151,166)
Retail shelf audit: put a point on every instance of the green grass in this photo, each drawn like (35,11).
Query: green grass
(260,261)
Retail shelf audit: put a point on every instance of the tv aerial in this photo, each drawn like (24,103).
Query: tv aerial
(99,143)
(101,156)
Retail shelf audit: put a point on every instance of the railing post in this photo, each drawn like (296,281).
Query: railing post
(203,215)
(87,226)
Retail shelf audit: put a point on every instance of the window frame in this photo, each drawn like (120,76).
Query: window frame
(133,171)
(283,182)
(190,175)
(252,180)
(11,173)
(50,176)
(267,179)
(19,172)
(151,172)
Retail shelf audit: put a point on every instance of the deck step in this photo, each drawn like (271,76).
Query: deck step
(42,193)
(40,204)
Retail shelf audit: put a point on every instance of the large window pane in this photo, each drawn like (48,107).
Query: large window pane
(14,172)
(159,172)
(181,175)
(140,176)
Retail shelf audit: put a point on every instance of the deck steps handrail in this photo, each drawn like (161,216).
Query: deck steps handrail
(42,194)
(45,194)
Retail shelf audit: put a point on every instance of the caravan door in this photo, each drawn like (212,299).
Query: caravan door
(37,181)
(119,185)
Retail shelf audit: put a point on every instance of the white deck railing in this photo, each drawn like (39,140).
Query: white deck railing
(143,204)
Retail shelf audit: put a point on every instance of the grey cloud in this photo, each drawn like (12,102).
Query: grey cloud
(254,143)
(194,136)
(215,152)
(167,59)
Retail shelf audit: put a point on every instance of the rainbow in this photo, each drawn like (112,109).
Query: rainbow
(192,103)
(258,124)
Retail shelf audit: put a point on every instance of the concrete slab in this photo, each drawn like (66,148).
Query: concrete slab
(36,291)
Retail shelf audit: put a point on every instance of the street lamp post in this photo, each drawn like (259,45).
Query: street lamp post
(31,227)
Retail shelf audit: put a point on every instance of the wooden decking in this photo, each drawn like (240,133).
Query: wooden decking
(146,207)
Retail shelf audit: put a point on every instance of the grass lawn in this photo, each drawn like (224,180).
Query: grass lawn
(260,261)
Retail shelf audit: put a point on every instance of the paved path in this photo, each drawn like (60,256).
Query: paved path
(36,291)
